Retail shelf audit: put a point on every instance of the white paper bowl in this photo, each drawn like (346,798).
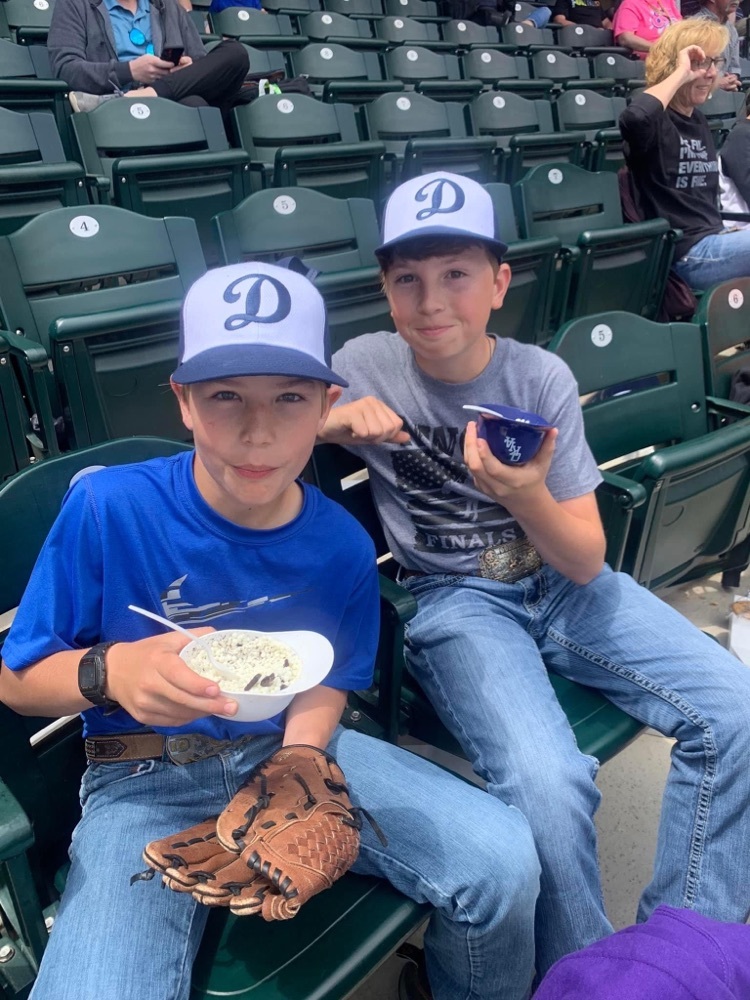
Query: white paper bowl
(313,649)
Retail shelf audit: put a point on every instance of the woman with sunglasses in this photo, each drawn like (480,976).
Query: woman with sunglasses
(671,156)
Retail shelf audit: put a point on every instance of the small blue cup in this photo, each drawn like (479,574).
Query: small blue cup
(514,436)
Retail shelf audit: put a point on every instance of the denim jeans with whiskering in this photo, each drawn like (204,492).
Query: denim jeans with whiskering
(480,648)
(715,259)
(449,844)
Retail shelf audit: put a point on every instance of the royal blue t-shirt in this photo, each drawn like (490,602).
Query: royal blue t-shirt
(142,534)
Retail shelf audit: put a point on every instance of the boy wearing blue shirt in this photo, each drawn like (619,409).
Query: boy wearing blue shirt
(227,536)
(507,565)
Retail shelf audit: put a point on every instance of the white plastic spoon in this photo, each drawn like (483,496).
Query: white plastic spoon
(205,646)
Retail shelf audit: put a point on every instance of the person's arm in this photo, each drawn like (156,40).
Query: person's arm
(606,23)
(632,41)
(66,44)
(313,715)
(567,534)
(561,19)
(560,13)
(147,678)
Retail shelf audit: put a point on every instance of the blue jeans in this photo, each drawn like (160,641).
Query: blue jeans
(715,259)
(539,17)
(449,844)
(480,648)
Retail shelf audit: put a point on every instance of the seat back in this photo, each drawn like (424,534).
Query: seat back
(465,33)
(619,67)
(721,110)
(268,60)
(399,29)
(411,8)
(413,64)
(330,61)
(359,8)
(724,319)
(15,425)
(645,384)
(256,27)
(35,175)
(101,290)
(584,36)
(491,65)
(523,36)
(26,84)
(588,111)
(564,200)
(27,21)
(559,67)
(323,24)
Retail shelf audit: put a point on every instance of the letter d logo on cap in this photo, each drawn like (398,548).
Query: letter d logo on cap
(254,300)
(441,203)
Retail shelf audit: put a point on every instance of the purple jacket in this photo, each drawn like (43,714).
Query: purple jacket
(675,955)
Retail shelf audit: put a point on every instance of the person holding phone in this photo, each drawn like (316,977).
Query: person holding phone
(140,49)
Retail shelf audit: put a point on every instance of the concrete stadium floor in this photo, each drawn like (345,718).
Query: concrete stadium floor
(632,785)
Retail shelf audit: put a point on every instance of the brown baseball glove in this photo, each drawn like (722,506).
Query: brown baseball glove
(288,833)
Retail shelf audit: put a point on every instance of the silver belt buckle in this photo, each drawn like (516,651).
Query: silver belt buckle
(192,748)
(509,562)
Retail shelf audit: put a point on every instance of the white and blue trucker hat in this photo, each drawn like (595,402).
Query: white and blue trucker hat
(440,204)
(254,319)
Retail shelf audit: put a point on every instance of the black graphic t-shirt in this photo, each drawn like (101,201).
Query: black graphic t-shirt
(673,162)
(580,11)
(434,518)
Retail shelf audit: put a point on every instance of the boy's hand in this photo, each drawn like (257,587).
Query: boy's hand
(507,484)
(365,421)
(156,687)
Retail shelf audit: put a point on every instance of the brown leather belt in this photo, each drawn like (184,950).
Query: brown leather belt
(183,749)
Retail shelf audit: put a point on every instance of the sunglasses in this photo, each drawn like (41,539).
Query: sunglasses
(718,61)
(137,37)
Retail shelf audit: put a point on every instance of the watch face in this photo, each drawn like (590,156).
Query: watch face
(91,675)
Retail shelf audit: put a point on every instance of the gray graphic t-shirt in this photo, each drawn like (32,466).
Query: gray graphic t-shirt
(434,518)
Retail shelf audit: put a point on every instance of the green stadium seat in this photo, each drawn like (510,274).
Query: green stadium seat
(627,73)
(503,71)
(18,443)
(93,296)
(524,133)
(35,174)
(435,74)
(422,135)
(339,937)
(721,110)
(371,10)
(355,33)
(540,277)
(26,21)
(292,139)
(525,38)
(295,9)
(256,28)
(620,266)
(420,10)
(724,319)
(397,701)
(465,35)
(645,383)
(335,235)
(589,41)
(26,84)
(399,30)
(597,115)
(261,60)
(565,71)
(339,73)
(161,158)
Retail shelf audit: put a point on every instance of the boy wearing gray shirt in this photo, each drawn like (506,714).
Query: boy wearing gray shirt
(507,565)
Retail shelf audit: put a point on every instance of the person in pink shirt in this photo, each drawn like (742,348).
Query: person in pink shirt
(639,23)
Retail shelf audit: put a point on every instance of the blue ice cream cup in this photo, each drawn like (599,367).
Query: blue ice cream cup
(514,436)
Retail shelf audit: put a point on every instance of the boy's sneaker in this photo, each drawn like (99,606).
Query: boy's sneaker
(81,101)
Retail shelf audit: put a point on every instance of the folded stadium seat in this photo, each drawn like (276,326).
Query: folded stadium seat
(645,387)
(540,277)
(584,39)
(397,701)
(370,10)
(26,21)
(337,236)
(327,26)
(260,60)
(627,73)
(99,289)
(201,22)
(721,110)
(744,68)
(567,71)
(254,27)
(503,71)
(525,38)
(161,158)
(26,84)
(294,9)
(465,35)
(295,140)
(420,10)
(524,132)
(406,31)
(598,116)
(435,74)
(18,442)
(620,266)
(723,316)
(422,135)
(338,938)
(338,73)
(35,174)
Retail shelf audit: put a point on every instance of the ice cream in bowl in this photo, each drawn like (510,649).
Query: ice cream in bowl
(270,667)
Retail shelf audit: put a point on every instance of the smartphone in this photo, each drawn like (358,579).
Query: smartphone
(172,54)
